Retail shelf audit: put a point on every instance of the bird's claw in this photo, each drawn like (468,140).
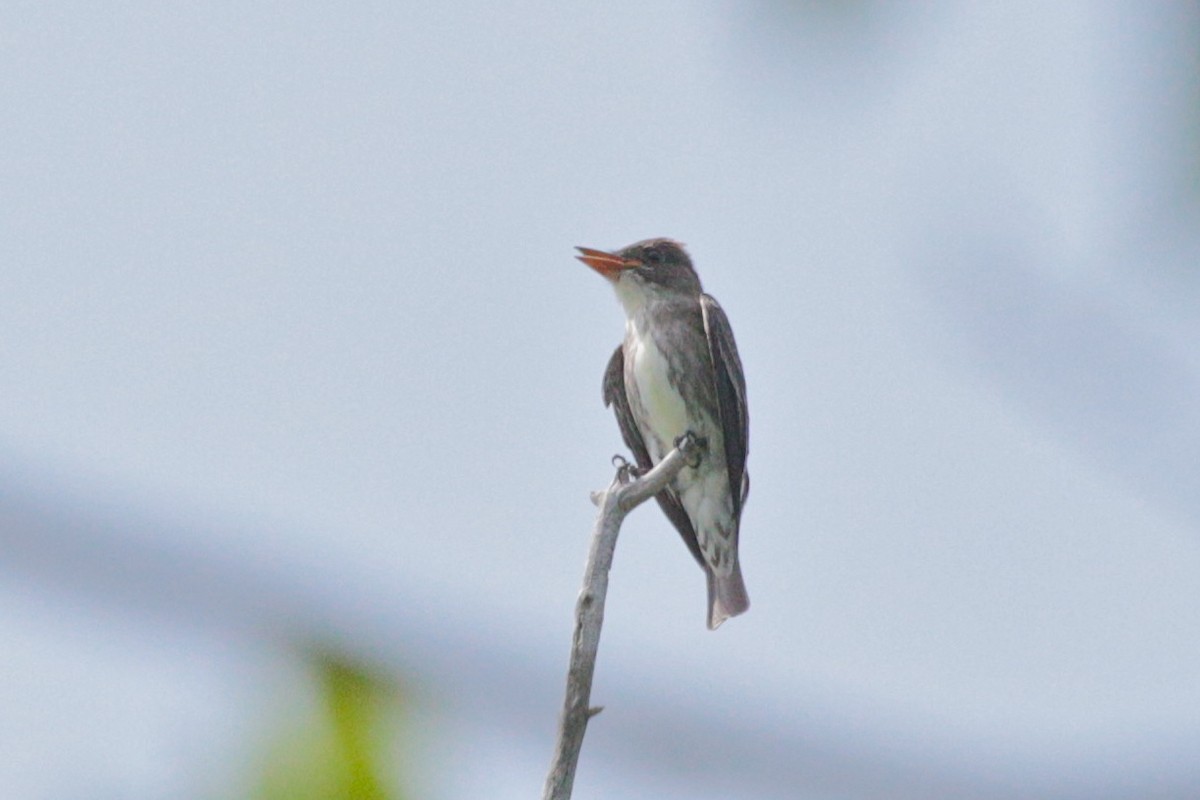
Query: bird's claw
(626,472)
(695,443)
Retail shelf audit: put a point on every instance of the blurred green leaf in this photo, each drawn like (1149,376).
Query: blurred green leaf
(341,752)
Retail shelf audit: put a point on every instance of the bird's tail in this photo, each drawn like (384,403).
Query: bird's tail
(726,596)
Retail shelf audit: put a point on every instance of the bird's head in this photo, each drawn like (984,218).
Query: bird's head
(645,270)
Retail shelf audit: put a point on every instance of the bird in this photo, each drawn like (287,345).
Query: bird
(676,373)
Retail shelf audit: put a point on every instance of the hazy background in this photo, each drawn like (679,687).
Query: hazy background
(293,350)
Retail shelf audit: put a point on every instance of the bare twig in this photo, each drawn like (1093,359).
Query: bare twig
(615,503)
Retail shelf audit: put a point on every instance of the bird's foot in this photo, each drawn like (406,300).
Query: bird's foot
(697,444)
(626,472)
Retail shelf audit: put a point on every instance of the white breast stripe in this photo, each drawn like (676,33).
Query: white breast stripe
(664,411)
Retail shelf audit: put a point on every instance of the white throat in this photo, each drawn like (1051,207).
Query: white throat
(637,296)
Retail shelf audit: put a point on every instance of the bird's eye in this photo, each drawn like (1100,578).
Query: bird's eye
(653,256)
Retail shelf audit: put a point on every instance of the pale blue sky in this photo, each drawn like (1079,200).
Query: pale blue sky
(292,289)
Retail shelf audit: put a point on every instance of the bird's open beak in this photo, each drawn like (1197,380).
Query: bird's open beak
(607,264)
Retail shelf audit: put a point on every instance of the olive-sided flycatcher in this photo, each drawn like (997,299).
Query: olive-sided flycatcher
(678,372)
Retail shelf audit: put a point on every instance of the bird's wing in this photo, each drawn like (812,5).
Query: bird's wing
(731,397)
(668,501)
(614,395)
